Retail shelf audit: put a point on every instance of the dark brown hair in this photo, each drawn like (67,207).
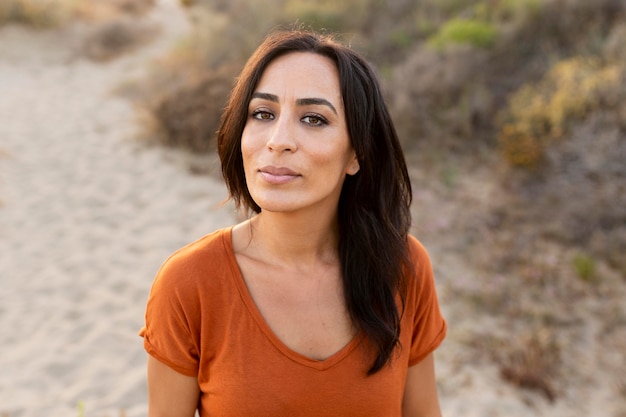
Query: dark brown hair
(374,214)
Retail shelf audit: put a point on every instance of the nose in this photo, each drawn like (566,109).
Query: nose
(281,137)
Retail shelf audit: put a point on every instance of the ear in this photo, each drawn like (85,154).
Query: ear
(353,166)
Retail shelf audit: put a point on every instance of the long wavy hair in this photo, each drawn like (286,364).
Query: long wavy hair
(374,205)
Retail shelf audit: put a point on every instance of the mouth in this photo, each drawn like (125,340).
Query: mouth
(278,175)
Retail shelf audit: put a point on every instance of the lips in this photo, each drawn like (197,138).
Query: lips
(278,171)
(278,175)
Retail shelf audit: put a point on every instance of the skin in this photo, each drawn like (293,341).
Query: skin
(297,153)
(170,394)
(420,392)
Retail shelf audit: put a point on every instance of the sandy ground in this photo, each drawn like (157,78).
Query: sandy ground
(87,215)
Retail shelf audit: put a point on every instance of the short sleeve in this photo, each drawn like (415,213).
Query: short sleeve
(429,325)
(172,311)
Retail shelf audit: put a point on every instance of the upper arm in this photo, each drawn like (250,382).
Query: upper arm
(420,393)
(170,394)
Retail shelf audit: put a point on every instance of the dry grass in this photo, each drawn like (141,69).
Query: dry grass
(106,10)
(43,14)
(530,359)
(114,28)
(539,113)
(112,39)
(532,362)
(190,117)
(181,103)
(36,13)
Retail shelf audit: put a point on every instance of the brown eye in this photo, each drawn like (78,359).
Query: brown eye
(314,120)
(262,115)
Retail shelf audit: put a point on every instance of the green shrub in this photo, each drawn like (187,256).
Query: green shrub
(585,267)
(400,38)
(464,31)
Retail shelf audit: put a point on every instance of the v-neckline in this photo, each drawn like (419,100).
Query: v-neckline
(256,315)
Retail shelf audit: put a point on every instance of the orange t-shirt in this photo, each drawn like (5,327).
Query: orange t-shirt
(202,322)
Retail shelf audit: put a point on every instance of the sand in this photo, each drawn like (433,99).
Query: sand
(88,214)
(87,217)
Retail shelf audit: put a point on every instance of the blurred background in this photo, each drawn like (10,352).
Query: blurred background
(512,114)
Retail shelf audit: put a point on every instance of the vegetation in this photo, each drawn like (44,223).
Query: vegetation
(585,267)
(463,31)
(46,14)
(113,27)
(35,13)
(529,360)
(540,112)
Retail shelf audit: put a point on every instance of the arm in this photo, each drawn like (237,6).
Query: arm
(420,393)
(170,394)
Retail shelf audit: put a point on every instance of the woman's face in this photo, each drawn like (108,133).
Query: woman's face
(295,145)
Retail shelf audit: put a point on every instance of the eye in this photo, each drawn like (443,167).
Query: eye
(262,115)
(314,120)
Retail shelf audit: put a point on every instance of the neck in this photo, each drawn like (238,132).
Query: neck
(294,241)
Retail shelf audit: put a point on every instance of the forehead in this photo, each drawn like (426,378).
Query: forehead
(305,74)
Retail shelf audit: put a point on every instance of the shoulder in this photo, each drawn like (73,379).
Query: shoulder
(209,249)
(418,253)
(420,278)
(415,246)
(423,315)
(191,263)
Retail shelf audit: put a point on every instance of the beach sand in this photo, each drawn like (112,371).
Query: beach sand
(87,217)
(88,214)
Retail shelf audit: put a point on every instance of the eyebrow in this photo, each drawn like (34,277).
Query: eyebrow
(299,102)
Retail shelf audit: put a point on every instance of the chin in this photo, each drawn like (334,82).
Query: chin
(278,207)
(290,201)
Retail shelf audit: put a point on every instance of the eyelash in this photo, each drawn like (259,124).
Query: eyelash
(261,115)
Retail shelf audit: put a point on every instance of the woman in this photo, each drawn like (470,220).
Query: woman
(320,304)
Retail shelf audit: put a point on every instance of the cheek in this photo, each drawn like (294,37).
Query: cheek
(339,158)
(245,147)
(251,138)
